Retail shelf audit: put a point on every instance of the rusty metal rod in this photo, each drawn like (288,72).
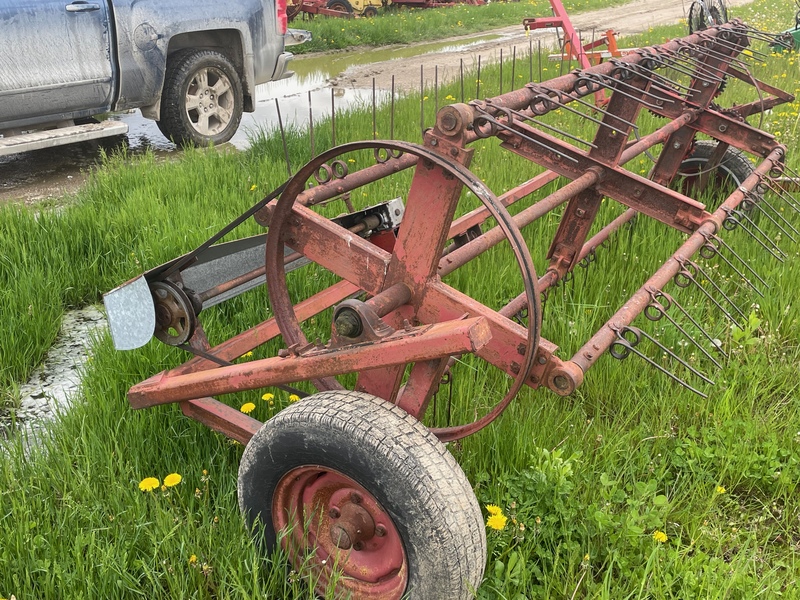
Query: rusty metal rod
(603,339)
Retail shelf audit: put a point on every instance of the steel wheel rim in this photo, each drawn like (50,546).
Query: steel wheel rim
(316,506)
(209,101)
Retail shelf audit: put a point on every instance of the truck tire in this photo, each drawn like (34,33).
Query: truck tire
(349,482)
(201,102)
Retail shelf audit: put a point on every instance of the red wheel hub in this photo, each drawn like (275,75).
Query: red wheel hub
(330,516)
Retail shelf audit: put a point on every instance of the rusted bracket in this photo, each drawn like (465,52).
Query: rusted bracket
(658,202)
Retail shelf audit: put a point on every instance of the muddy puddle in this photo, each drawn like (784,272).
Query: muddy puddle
(53,384)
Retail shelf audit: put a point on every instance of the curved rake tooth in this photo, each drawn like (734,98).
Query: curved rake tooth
(760,203)
(782,193)
(622,348)
(687,275)
(658,309)
(733,220)
(711,249)
(727,247)
(707,277)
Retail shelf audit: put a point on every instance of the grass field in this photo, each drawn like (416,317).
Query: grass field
(631,488)
(404,26)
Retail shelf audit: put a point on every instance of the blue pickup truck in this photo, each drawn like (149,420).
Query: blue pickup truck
(191,65)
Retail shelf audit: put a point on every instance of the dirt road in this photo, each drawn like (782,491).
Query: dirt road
(631,18)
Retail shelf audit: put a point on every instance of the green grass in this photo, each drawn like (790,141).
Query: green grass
(591,477)
(405,26)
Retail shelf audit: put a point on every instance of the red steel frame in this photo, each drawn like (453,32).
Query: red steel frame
(412,317)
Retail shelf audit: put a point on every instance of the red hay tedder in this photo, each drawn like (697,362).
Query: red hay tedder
(356,480)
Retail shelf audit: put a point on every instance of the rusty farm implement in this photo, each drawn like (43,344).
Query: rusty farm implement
(361,264)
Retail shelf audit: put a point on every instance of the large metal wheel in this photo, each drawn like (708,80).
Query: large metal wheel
(202,99)
(364,496)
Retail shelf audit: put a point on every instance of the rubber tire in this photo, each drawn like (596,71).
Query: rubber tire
(341,5)
(698,17)
(181,68)
(394,457)
(370,12)
(734,164)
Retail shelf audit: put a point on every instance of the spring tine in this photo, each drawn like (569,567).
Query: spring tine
(552,128)
(614,84)
(283,138)
(461,72)
(501,71)
(725,245)
(374,109)
(777,212)
(760,203)
(489,118)
(697,66)
(743,214)
(716,343)
(707,277)
(422,99)
(333,120)
(435,89)
(577,112)
(661,311)
(391,117)
(711,248)
(732,221)
(781,192)
(739,47)
(539,44)
(530,61)
(513,66)
(671,354)
(685,276)
(628,348)
(311,126)
(478,81)
(604,113)
(692,69)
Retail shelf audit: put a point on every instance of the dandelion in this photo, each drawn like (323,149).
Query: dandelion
(247,408)
(497,522)
(720,489)
(493,509)
(253,187)
(660,536)
(172,479)
(450,98)
(193,559)
(294,398)
(247,355)
(267,397)
(148,484)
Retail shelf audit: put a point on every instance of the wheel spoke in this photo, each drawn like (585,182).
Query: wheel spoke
(223,114)
(222,87)
(192,102)
(202,123)
(201,79)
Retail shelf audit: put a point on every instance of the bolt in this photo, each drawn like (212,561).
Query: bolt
(380,530)
(348,323)
(515,368)
(561,382)
(434,142)
(534,379)
(723,128)
(542,360)
(334,513)
(521,349)
(676,145)
(580,212)
(358,545)
(454,152)
(355,498)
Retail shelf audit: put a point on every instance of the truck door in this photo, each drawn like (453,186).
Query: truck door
(55,60)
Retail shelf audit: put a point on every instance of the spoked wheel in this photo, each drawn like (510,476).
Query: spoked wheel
(367,497)
(412,262)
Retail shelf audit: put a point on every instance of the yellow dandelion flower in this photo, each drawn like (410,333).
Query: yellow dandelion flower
(193,559)
(148,484)
(721,490)
(267,397)
(294,398)
(247,355)
(247,408)
(163,488)
(660,536)
(497,522)
(172,479)
(253,187)
(493,509)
